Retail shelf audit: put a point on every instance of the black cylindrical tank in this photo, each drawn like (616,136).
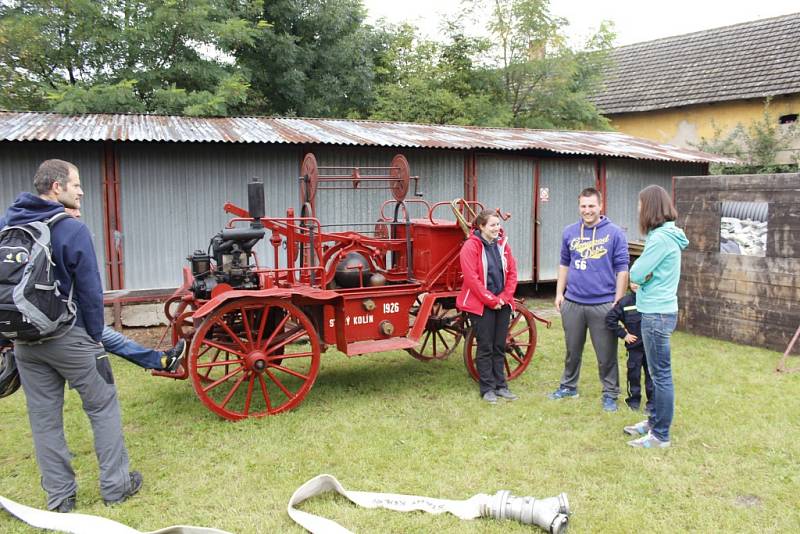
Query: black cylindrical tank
(349,268)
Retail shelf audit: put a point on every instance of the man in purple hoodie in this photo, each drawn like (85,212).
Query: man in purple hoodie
(75,354)
(592,278)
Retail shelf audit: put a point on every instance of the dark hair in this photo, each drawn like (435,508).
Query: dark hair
(655,208)
(591,191)
(483,217)
(50,172)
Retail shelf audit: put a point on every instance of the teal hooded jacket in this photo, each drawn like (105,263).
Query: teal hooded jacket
(658,270)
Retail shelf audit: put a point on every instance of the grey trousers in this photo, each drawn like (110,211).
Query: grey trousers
(43,369)
(576,318)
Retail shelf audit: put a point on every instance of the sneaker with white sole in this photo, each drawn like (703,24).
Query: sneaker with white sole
(649,442)
(563,393)
(505,393)
(172,357)
(490,397)
(639,429)
(609,404)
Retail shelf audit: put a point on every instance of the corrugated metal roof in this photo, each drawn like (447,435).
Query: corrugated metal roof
(32,126)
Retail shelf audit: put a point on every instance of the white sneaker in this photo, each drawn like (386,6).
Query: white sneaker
(639,429)
(649,442)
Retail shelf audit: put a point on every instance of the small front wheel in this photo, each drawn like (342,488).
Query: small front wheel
(443,331)
(520,344)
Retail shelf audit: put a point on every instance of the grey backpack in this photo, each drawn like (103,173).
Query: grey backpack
(32,308)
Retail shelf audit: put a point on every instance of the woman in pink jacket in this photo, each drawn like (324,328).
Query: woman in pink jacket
(487,295)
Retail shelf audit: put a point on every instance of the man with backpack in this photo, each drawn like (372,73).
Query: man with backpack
(72,352)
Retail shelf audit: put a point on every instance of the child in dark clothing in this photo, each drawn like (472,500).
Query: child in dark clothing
(626,321)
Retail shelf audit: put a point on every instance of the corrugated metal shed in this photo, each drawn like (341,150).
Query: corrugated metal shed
(30,126)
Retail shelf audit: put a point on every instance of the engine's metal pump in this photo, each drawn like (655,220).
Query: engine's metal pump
(231,250)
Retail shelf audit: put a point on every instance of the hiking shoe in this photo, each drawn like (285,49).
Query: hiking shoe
(136,485)
(490,397)
(173,356)
(609,404)
(66,506)
(649,442)
(563,393)
(505,393)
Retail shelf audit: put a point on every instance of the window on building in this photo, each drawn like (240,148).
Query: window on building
(743,228)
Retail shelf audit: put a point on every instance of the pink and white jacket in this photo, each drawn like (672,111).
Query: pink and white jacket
(474,295)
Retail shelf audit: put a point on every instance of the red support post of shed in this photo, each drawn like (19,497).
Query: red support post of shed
(600,183)
(112,220)
(470,176)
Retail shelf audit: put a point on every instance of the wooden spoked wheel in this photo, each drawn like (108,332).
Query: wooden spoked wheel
(253,357)
(520,344)
(443,332)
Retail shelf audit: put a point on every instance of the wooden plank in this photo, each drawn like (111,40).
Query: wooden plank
(786,318)
(736,182)
(766,290)
(723,303)
(738,331)
(697,276)
(712,262)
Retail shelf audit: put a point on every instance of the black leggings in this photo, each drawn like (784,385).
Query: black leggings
(491,330)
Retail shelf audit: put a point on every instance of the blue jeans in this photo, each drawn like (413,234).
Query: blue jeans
(116,343)
(656,331)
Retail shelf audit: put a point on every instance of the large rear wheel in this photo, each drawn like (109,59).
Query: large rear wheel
(253,357)
(520,344)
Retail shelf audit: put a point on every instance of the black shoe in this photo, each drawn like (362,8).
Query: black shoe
(174,356)
(67,505)
(136,485)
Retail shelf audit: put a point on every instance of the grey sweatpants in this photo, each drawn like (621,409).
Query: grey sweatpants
(81,362)
(576,318)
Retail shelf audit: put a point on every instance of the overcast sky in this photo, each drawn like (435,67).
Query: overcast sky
(635,20)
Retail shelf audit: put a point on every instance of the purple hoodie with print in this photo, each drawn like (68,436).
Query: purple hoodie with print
(594,256)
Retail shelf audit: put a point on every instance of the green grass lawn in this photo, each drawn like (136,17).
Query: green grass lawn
(387,422)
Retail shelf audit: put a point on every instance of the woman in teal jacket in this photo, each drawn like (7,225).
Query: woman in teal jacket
(657,272)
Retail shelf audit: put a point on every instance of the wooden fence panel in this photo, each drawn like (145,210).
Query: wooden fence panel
(746,299)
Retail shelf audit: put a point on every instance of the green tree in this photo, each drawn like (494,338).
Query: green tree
(432,82)
(123,55)
(312,58)
(524,75)
(546,83)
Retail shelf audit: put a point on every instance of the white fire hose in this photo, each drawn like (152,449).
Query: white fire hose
(550,514)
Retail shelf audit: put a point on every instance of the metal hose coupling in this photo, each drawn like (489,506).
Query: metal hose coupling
(550,514)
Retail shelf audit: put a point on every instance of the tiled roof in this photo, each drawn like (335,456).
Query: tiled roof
(31,126)
(750,60)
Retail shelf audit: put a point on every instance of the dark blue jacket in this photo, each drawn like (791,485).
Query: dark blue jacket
(73,254)
(625,312)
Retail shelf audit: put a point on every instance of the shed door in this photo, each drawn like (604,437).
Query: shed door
(507,183)
(560,183)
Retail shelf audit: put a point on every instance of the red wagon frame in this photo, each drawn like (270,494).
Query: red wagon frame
(256,334)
